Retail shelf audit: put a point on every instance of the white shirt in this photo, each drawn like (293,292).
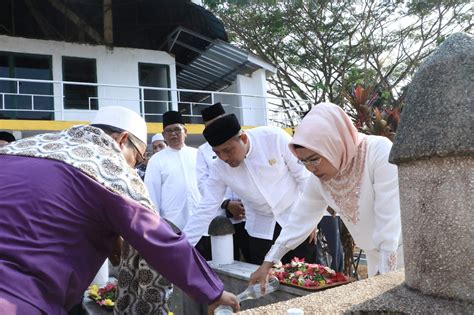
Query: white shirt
(171,181)
(378,228)
(205,158)
(269,180)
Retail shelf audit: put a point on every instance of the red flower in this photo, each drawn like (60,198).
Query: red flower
(339,277)
(109,287)
(308,275)
(296,259)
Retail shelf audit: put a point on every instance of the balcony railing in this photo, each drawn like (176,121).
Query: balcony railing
(63,100)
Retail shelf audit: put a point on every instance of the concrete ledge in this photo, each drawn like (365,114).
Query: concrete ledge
(385,294)
(235,277)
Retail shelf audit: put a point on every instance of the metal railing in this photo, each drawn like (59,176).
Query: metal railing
(18,95)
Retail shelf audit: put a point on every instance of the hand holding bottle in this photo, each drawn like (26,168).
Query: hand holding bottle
(261,274)
(227,299)
(255,291)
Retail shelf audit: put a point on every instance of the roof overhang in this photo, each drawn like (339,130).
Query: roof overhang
(214,64)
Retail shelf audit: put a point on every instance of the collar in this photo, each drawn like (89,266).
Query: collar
(249,154)
(175,150)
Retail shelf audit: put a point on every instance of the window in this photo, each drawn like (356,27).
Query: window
(155,101)
(80,70)
(26,100)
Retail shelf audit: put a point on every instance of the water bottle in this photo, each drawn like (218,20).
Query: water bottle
(223,310)
(254,291)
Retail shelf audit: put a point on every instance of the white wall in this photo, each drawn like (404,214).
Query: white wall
(114,66)
(231,103)
(254,110)
(251,111)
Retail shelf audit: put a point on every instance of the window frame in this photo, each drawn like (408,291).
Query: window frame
(167,67)
(63,72)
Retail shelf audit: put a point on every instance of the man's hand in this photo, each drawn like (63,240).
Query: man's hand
(226,298)
(237,209)
(261,274)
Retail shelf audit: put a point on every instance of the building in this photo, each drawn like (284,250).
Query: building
(61,60)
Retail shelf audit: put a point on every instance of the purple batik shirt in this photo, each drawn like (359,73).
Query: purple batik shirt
(57,226)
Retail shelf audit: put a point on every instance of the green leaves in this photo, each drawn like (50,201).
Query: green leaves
(323,48)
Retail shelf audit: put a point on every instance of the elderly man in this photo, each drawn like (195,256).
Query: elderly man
(171,173)
(65,199)
(158,143)
(259,167)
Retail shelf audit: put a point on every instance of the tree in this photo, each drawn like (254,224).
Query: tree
(324,48)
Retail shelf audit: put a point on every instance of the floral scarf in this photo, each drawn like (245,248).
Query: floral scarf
(141,290)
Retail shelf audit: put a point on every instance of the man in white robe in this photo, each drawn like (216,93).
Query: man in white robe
(171,173)
(232,207)
(258,166)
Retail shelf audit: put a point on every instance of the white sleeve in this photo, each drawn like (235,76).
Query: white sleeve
(304,218)
(298,171)
(208,209)
(153,182)
(202,170)
(230,195)
(387,228)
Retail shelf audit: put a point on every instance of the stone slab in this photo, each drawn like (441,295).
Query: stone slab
(386,294)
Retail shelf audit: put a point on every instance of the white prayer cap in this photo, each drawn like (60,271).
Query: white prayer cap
(123,118)
(157,137)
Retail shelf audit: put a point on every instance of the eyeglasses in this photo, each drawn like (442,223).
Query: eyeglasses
(142,157)
(170,131)
(313,162)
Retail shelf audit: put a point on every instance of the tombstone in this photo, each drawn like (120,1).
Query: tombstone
(434,149)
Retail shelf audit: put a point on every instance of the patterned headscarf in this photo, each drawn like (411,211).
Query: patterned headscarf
(328,131)
(140,288)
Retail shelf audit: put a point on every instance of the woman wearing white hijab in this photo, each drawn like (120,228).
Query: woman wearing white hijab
(352,175)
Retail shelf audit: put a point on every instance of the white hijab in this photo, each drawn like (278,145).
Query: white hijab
(328,131)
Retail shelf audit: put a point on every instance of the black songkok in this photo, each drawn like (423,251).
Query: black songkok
(6,136)
(221,130)
(212,112)
(172,117)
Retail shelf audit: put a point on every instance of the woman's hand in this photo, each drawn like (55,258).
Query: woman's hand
(261,274)
(226,298)
(312,236)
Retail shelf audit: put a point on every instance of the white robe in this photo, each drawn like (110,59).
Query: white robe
(171,181)
(269,180)
(205,158)
(378,229)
